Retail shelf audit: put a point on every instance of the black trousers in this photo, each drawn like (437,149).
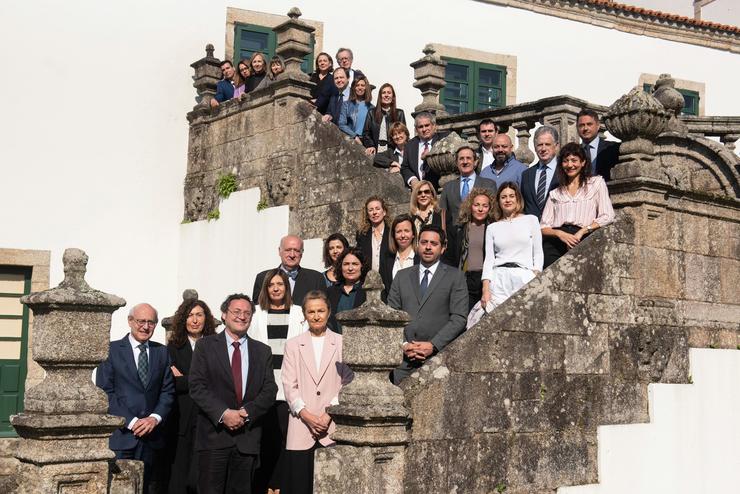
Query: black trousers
(225,471)
(271,471)
(553,248)
(184,469)
(299,464)
(475,287)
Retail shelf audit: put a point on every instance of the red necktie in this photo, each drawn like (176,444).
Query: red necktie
(236,372)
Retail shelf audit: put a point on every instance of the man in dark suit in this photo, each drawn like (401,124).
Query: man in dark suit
(137,378)
(302,280)
(225,87)
(345,59)
(232,383)
(414,165)
(603,154)
(487,130)
(539,179)
(334,107)
(455,191)
(435,295)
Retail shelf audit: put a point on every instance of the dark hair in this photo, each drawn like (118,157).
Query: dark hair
(467,146)
(179,321)
(368,91)
(226,61)
(573,149)
(379,110)
(334,236)
(397,221)
(263,299)
(497,213)
(436,229)
(315,295)
(316,62)
(357,252)
(398,127)
(235,296)
(342,69)
(587,113)
(487,121)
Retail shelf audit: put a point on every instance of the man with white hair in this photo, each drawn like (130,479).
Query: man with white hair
(137,378)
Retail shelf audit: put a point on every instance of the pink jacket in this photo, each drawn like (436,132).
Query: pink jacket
(316,390)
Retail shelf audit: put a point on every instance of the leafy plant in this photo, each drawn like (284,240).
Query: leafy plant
(226,185)
(214,214)
(543,390)
(262,205)
(500,487)
(186,221)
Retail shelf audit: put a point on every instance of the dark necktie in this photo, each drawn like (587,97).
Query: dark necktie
(143,365)
(292,274)
(424,161)
(542,187)
(424,283)
(236,372)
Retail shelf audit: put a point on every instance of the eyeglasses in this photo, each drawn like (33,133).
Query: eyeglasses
(424,192)
(145,322)
(239,314)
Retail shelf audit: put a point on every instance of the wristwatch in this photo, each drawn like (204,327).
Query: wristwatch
(588,229)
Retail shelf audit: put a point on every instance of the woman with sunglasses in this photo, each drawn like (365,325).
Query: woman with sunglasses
(424,206)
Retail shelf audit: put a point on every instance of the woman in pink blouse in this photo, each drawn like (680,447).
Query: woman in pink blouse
(577,207)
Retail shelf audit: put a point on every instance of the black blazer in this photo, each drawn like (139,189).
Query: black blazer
(384,159)
(410,165)
(307,280)
(334,292)
(386,272)
(212,390)
(182,419)
(253,81)
(371,132)
(364,242)
(451,200)
(607,155)
(529,190)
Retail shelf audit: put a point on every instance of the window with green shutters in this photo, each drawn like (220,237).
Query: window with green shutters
(690,99)
(250,38)
(14,283)
(472,86)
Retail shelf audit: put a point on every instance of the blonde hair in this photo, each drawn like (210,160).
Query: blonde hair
(365,224)
(413,208)
(466,215)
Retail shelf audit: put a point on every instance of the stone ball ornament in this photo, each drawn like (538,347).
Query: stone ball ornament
(637,119)
(441,157)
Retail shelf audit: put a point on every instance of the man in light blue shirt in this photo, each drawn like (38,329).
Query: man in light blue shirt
(505,167)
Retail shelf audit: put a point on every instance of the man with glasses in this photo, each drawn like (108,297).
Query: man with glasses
(232,382)
(302,280)
(345,57)
(137,378)
(414,165)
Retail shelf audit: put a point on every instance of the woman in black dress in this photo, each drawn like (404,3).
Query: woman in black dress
(348,294)
(334,245)
(259,71)
(321,92)
(192,321)
(424,206)
(372,237)
(376,136)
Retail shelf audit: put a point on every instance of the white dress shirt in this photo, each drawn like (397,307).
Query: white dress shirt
(135,347)
(593,148)
(432,269)
(550,173)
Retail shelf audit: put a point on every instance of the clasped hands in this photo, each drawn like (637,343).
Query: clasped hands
(571,240)
(318,425)
(234,419)
(144,426)
(418,350)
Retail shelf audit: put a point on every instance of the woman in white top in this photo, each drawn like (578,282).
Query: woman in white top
(275,321)
(513,247)
(577,207)
(401,251)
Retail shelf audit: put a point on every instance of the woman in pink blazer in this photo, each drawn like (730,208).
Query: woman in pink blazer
(312,375)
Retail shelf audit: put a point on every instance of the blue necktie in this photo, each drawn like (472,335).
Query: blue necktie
(292,274)
(465,188)
(424,283)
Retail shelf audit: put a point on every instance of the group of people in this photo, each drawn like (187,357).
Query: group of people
(244,409)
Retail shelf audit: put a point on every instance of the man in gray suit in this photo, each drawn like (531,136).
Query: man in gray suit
(455,191)
(436,297)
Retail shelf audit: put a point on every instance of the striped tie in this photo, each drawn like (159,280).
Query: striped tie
(542,187)
(143,365)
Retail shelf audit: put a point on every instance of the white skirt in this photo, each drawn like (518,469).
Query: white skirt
(506,281)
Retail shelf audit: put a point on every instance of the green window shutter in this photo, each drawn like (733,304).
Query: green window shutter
(690,99)
(250,38)
(472,86)
(14,342)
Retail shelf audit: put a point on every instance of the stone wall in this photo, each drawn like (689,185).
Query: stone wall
(280,145)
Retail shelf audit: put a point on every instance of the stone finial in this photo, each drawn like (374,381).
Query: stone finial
(293,43)
(209,50)
(637,118)
(207,73)
(673,101)
(441,157)
(294,13)
(190,294)
(429,72)
(75,267)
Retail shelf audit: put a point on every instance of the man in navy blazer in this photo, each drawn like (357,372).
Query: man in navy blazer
(225,87)
(603,154)
(137,378)
(535,187)
(334,107)
(414,166)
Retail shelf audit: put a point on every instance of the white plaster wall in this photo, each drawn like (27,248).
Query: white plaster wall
(93,137)
(692,443)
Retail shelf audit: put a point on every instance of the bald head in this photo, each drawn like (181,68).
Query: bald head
(502,149)
(291,251)
(142,319)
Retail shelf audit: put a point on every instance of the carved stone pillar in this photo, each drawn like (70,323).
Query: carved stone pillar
(523,153)
(65,427)
(293,43)
(372,420)
(207,74)
(637,118)
(665,91)
(429,72)
(565,123)
(729,141)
